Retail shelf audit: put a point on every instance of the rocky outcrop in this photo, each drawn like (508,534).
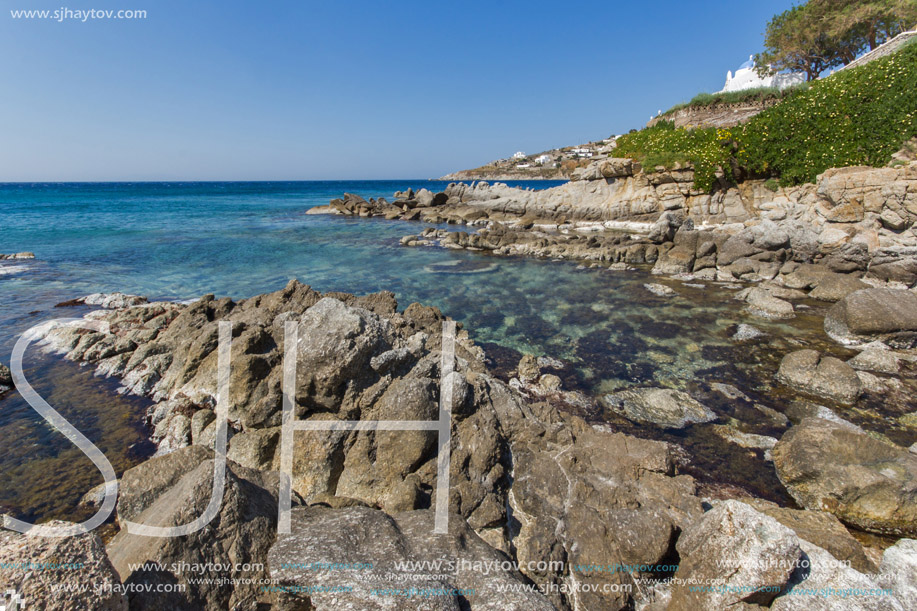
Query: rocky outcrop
(18,255)
(173,490)
(591,499)
(855,226)
(356,558)
(865,481)
(529,482)
(58,574)
(714,115)
(756,553)
(108,301)
(886,315)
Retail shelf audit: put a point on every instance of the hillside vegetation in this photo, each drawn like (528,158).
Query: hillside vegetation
(859,116)
(746,96)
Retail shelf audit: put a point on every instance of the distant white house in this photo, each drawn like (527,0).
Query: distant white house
(519,155)
(543,159)
(522,166)
(746,77)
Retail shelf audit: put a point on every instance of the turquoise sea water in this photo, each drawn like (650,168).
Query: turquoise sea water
(182,240)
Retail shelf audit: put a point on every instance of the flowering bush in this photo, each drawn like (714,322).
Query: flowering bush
(859,116)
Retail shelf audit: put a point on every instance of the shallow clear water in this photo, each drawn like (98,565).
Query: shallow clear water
(179,241)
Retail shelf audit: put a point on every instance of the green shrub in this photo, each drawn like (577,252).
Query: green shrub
(772,184)
(859,116)
(664,144)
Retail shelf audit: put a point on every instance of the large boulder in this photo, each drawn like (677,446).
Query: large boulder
(819,528)
(889,315)
(219,565)
(595,499)
(751,554)
(824,376)
(361,558)
(58,574)
(664,407)
(834,287)
(865,481)
(823,583)
(336,344)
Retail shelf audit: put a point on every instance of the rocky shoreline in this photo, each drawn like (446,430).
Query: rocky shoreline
(531,482)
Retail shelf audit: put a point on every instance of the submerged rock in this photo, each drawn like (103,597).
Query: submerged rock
(664,407)
(745,332)
(865,481)
(659,289)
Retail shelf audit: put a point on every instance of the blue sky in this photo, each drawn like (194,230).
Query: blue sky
(246,90)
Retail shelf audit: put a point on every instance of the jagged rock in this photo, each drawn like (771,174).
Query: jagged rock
(824,376)
(745,440)
(617,167)
(819,528)
(48,572)
(826,584)
(366,545)
(749,549)
(175,489)
(677,260)
(663,407)
(113,301)
(336,345)
(528,368)
(888,315)
(18,255)
(595,498)
(866,482)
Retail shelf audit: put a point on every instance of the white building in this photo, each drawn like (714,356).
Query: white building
(543,159)
(747,78)
(519,155)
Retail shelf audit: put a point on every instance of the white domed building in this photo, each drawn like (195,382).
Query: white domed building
(747,78)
